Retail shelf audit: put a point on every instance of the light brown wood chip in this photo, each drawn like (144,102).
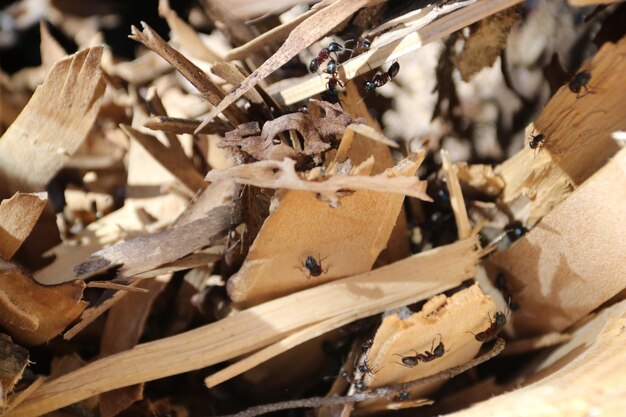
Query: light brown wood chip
(53,124)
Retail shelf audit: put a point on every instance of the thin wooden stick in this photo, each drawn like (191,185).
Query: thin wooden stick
(456,197)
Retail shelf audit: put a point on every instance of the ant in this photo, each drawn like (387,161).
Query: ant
(331,94)
(381,79)
(323,55)
(536,140)
(437,352)
(314,267)
(503,286)
(579,82)
(499,320)
(359,385)
(364,368)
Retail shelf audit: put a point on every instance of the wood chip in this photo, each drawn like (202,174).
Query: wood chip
(18,216)
(388,287)
(580,277)
(53,124)
(34,313)
(146,253)
(13,361)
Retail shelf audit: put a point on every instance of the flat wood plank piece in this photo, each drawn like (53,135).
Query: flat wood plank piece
(577,142)
(401,283)
(18,216)
(556,274)
(344,240)
(53,124)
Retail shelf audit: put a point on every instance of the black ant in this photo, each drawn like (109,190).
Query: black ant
(536,140)
(359,385)
(323,55)
(499,320)
(383,78)
(437,352)
(503,286)
(364,368)
(579,82)
(314,267)
(331,94)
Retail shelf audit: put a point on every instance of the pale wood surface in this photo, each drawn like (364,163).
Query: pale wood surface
(577,139)
(400,283)
(53,124)
(573,260)
(594,383)
(18,216)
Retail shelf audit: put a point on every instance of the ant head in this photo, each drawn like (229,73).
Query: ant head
(360,386)
(394,69)
(500,319)
(331,67)
(335,47)
(310,262)
(369,86)
(365,43)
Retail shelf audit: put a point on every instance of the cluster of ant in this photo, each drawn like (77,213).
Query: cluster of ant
(576,85)
(496,324)
(360,45)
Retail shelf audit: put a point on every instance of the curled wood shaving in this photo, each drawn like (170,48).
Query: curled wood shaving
(317,132)
(55,122)
(282,174)
(35,313)
(188,69)
(307,32)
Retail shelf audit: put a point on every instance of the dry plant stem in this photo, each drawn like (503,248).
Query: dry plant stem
(252,329)
(231,74)
(577,143)
(20,397)
(456,197)
(307,32)
(275,35)
(155,105)
(282,174)
(185,35)
(388,391)
(439,25)
(53,124)
(114,286)
(180,126)
(188,69)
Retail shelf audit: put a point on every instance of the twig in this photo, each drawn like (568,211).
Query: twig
(387,391)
